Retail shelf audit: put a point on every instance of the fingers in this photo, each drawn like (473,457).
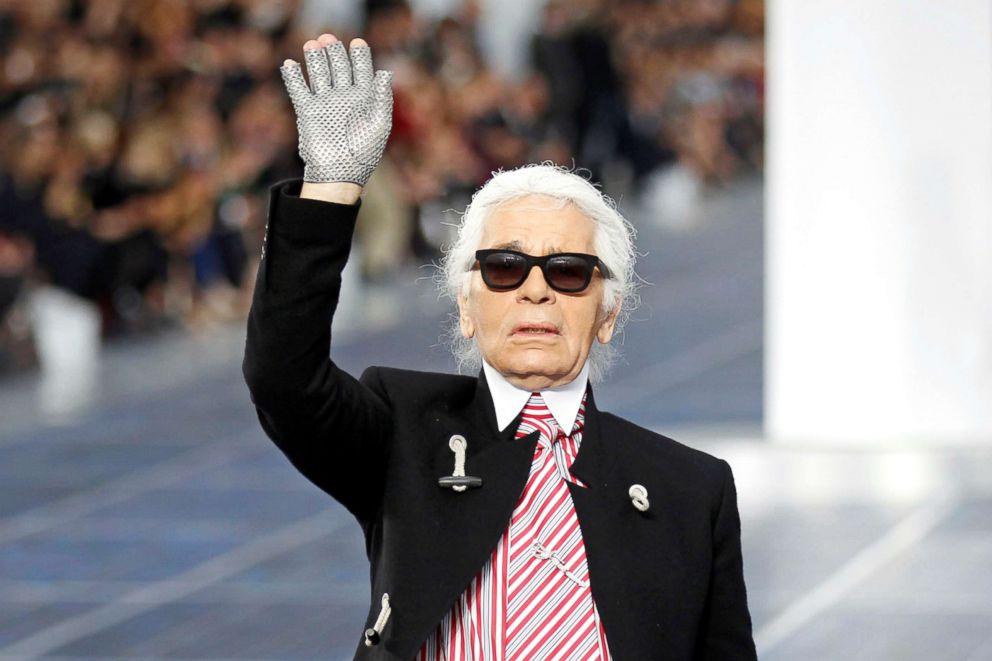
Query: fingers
(361,62)
(340,66)
(382,98)
(328,64)
(292,77)
(317,67)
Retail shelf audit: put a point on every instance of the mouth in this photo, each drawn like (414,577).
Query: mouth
(536,330)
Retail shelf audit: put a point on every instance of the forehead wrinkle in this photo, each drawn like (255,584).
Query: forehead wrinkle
(524,233)
(519,247)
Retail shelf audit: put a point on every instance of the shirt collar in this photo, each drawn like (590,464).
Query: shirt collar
(563,401)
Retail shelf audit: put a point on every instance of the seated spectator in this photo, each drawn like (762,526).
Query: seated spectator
(142,136)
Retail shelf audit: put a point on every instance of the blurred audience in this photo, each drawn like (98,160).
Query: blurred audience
(140,136)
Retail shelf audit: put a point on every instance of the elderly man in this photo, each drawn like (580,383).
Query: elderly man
(505,516)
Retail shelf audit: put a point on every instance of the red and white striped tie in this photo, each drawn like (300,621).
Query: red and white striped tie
(550,613)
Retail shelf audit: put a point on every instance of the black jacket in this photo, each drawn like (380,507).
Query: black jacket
(668,582)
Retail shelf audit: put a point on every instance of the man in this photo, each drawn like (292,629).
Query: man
(505,516)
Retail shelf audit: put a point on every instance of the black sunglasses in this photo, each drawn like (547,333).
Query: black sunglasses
(567,272)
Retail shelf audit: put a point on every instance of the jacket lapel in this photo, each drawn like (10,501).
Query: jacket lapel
(466,526)
(604,512)
(502,462)
(628,550)
(596,455)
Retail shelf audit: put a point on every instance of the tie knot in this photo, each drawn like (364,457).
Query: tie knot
(535,405)
(537,417)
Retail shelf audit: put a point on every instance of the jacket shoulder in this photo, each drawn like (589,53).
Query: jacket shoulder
(666,454)
(402,387)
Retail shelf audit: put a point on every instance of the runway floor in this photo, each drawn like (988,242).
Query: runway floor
(144,515)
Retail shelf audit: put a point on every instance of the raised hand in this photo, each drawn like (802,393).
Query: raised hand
(344,116)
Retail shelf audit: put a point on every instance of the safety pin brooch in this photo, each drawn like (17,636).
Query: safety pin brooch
(541,552)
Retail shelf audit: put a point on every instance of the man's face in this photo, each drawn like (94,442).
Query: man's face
(533,335)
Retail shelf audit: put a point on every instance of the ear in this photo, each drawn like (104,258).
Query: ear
(605,332)
(465,321)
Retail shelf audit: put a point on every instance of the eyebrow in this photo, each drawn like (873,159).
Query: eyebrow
(509,245)
(516,245)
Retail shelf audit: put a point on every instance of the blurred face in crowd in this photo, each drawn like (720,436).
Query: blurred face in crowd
(533,335)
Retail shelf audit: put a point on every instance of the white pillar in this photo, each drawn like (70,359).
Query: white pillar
(879,221)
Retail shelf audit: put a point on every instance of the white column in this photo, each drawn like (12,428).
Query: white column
(879,221)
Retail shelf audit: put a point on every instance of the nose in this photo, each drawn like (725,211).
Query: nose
(535,288)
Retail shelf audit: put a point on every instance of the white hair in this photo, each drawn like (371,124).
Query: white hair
(613,242)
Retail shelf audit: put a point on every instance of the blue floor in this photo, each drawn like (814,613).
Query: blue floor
(153,520)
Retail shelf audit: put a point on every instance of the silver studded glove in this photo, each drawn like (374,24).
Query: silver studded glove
(344,121)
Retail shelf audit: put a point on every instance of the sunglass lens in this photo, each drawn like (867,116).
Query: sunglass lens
(503,270)
(568,274)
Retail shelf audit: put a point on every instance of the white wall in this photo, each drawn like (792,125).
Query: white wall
(879,221)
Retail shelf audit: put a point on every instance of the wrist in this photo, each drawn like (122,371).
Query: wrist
(339,192)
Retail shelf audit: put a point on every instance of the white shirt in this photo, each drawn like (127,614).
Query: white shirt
(563,401)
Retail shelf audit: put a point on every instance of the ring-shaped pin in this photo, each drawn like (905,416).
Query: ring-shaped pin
(639,497)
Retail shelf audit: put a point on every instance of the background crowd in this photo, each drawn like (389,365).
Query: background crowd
(140,136)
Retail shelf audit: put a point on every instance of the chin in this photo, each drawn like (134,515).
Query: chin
(538,362)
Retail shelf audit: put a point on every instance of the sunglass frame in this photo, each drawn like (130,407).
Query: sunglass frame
(592,262)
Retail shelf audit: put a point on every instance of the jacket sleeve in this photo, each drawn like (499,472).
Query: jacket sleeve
(726,633)
(333,428)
